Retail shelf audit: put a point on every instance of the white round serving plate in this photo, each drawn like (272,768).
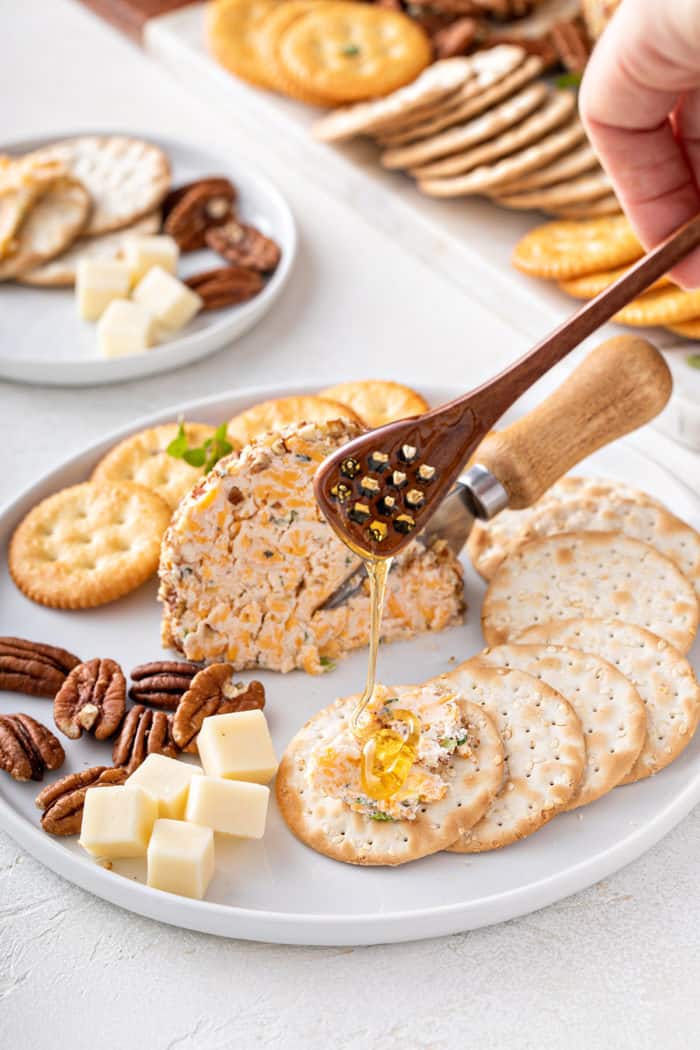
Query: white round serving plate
(277,889)
(44,342)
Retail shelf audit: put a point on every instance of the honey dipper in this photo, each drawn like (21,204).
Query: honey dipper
(381,489)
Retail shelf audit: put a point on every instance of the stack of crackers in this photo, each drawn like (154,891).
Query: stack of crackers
(76,198)
(592,603)
(585,258)
(487,124)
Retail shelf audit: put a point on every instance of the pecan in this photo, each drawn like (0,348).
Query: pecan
(213,692)
(244,246)
(93,698)
(456,38)
(192,209)
(225,286)
(143,732)
(32,667)
(572,44)
(161,683)
(62,802)
(27,748)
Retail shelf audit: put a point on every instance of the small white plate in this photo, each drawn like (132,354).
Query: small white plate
(277,889)
(43,341)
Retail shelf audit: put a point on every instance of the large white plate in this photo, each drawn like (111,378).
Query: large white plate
(277,889)
(42,339)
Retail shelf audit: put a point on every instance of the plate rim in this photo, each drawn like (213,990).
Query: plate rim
(201,343)
(233,921)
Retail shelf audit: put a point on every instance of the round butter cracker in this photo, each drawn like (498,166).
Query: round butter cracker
(88,544)
(347,52)
(377,401)
(143,458)
(562,250)
(231,32)
(280,412)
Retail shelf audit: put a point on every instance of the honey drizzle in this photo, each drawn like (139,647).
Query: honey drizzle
(387,756)
(377,573)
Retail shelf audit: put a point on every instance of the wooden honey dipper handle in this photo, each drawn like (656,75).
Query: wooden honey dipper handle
(621,385)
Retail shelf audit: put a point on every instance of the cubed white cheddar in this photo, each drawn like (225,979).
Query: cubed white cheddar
(237,746)
(117,821)
(180,858)
(167,780)
(144,251)
(97,283)
(232,807)
(170,301)
(125,328)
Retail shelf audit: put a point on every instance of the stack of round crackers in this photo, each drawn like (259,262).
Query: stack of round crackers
(586,257)
(322,53)
(76,199)
(487,124)
(592,604)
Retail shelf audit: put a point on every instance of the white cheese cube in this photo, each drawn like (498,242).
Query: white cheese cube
(237,746)
(170,301)
(180,858)
(125,328)
(97,283)
(232,807)
(167,781)
(144,251)
(117,821)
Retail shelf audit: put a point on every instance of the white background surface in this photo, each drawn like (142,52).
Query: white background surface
(616,966)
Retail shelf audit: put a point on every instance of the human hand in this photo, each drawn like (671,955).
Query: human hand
(640,103)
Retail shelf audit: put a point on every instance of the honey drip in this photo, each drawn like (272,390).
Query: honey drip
(387,755)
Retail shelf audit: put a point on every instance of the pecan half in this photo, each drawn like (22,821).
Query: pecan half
(162,682)
(32,667)
(213,692)
(27,748)
(62,802)
(244,246)
(225,286)
(572,44)
(192,209)
(143,732)
(456,38)
(92,698)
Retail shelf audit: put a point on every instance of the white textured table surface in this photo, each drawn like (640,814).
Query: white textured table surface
(616,966)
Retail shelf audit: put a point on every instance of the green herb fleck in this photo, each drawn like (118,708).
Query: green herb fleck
(327,663)
(350,50)
(693,360)
(382,816)
(206,455)
(567,80)
(447,742)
